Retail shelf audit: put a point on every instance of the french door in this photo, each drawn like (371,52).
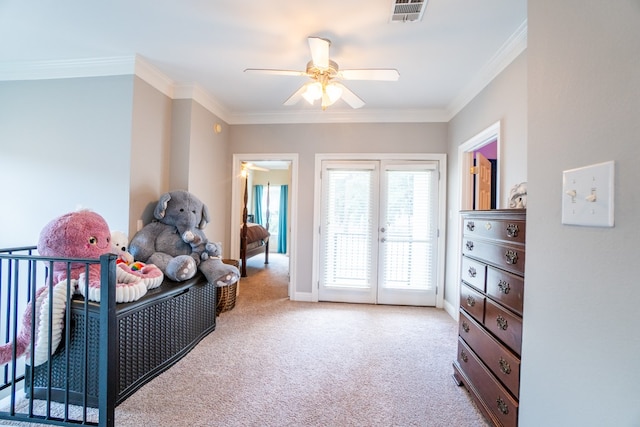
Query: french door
(379,232)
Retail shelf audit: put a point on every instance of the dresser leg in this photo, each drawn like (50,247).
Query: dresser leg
(456,379)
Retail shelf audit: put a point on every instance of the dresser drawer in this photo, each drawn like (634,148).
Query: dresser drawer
(500,229)
(473,272)
(472,301)
(506,288)
(496,397)
(504,325)
(510,258)
(503,363)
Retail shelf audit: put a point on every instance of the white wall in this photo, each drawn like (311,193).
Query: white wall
(209,172)
(504,100)
(150,151)
(581,338)
(64,144)
(309,139)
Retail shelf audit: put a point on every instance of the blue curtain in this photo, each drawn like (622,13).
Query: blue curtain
(257,203)
(282,222)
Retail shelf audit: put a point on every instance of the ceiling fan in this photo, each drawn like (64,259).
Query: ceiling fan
(252,166)
(325,77)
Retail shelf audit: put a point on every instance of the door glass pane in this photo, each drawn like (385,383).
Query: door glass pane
(410,235)
(347,229)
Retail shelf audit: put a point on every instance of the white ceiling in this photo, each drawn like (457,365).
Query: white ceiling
(444,60)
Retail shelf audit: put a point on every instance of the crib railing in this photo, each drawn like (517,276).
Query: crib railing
(22,273)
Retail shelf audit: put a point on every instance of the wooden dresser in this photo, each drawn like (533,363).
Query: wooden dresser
(490,325)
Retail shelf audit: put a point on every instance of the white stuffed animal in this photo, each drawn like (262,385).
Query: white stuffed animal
(129,270)
(518,196)
(120,245)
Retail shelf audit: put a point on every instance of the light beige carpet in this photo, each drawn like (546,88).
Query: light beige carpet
(275,362)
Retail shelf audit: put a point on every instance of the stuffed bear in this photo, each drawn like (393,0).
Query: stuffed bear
(119,244)
(179,214)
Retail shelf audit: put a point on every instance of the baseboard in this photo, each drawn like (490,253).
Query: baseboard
(302,296)
(452,310)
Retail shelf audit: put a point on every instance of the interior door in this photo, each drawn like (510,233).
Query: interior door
(483,182)
(378,235)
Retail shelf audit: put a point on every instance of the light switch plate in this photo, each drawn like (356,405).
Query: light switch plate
(587,195)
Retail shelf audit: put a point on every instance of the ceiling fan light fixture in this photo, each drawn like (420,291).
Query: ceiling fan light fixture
(326,76)
(330,95)
(313,92)
(334,92)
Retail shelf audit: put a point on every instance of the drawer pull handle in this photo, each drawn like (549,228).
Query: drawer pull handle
(464,356)
(502,323)
(511,257)
(469,245)
(465,327)
(504,366)
(504,286)
(471,301)
(488,226)
(512,230)
(471,226)
(502,406)
(472,272)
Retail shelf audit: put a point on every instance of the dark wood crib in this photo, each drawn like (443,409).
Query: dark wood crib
(107,350)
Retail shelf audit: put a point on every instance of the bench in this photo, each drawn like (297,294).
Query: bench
(152,334)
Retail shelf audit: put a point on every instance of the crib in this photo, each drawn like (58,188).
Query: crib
(107,350)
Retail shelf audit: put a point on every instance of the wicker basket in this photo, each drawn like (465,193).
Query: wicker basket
(226,295)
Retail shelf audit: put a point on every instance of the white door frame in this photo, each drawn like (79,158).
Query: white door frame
(442,196)
(465,154)
(237,182)
(465,161)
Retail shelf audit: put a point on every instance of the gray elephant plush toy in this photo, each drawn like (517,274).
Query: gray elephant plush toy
(175,242)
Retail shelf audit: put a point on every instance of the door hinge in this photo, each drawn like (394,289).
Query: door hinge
(473,170)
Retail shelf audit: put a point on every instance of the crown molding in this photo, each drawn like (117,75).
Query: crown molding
(137,65)
(202,97)
(154,76)
(340,116)
(514,46)
(67,68)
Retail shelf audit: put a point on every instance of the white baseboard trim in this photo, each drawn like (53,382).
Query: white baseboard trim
(452,310)
(302,296)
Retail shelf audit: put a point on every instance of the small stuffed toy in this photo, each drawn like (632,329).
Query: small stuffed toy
(201,249)
(119,244)
(518,196)
(84,235)
(128,269)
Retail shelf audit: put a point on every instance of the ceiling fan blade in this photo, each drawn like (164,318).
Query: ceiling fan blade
(387,74)
(319,52)
(255,167)
(349,97)
(275,72)
(297,96)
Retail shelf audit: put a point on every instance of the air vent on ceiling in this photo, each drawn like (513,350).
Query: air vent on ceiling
(407,10)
